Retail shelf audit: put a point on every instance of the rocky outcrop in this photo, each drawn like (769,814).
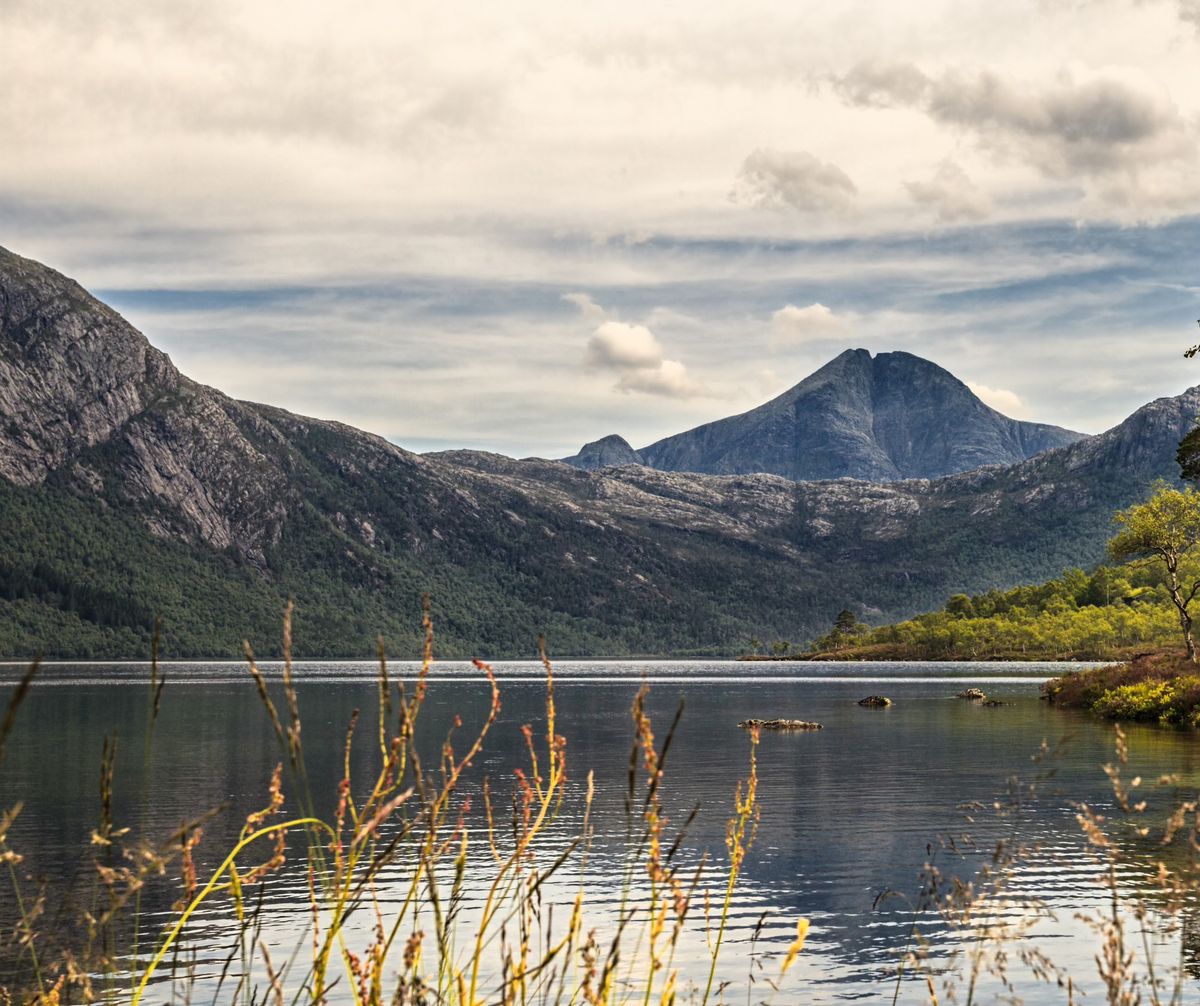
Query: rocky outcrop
(72,371)
(606,452)
(875,702)
(883,418)
(779,725)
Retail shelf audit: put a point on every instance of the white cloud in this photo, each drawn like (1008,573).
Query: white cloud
(882,85)
(634,354)
(1000,399)
(793,326)
(792,180)
(669,378)
(616,345)
(459,158)
(587,307)
(951,195)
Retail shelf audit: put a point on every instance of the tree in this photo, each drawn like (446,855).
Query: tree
(1188,457)
(960,606)
(1193,350)
(1164,528)
(846,621)
(846,628)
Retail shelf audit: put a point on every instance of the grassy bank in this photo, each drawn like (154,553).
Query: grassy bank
(907,651)
(1158,687)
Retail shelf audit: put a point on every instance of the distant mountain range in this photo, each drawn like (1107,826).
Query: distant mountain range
(883,418)
(129,491)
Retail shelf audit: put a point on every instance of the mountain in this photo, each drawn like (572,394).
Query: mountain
(128,491)
(607,452)
(883,418)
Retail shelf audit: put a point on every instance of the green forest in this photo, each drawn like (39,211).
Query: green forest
(1079,615)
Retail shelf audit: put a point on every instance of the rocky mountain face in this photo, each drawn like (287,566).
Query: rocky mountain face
(607,452)
(882,418)
(128,491)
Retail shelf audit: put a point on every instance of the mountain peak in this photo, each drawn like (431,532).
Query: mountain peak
(885,417)
(605,453)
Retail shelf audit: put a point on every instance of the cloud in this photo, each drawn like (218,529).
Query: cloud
(792,325)
(1000,399)
(951,195)
(669,377)
(882,85)
(616,345)
(587,307)
(635,355)
(792,180)
(1089,124)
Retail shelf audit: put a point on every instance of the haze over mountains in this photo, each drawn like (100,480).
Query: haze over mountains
(129,491)
(882,418)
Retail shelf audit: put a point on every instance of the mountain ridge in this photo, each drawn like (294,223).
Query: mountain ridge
(881,418)
(130,491)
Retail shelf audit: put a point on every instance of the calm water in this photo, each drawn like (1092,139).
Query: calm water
(848,813)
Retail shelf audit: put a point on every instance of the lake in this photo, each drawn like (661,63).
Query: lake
(849,814)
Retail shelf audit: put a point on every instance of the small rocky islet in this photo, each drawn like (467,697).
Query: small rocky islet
(756,724)
(875,702)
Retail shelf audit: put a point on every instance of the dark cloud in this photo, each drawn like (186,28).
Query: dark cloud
(1066,128)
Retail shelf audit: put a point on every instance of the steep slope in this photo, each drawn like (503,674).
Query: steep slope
(129,491)
(882,418)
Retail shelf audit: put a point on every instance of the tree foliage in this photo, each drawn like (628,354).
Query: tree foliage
(1081,615)
(1166,528)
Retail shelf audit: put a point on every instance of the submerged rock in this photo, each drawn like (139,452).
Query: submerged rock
(974,694)
(994,702)
(779,725)
(875,701)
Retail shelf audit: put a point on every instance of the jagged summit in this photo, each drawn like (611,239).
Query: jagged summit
(881,418)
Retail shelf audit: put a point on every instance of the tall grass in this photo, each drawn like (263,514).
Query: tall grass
(429,883)
(391,919)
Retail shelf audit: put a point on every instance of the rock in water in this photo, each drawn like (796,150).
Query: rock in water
(779,725)
(974,694)
(875,701)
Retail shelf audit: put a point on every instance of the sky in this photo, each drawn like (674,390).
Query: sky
(520,226)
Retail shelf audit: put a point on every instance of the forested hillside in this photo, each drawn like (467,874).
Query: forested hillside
(128,491)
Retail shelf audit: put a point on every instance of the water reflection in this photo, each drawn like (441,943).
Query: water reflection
(848,813)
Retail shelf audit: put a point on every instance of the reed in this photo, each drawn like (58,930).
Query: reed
(392,862)
(428,883)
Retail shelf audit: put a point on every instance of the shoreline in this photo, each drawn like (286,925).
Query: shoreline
(903,655)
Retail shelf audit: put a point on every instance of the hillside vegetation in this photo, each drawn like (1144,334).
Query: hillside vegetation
(129,491)
(1102,615)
